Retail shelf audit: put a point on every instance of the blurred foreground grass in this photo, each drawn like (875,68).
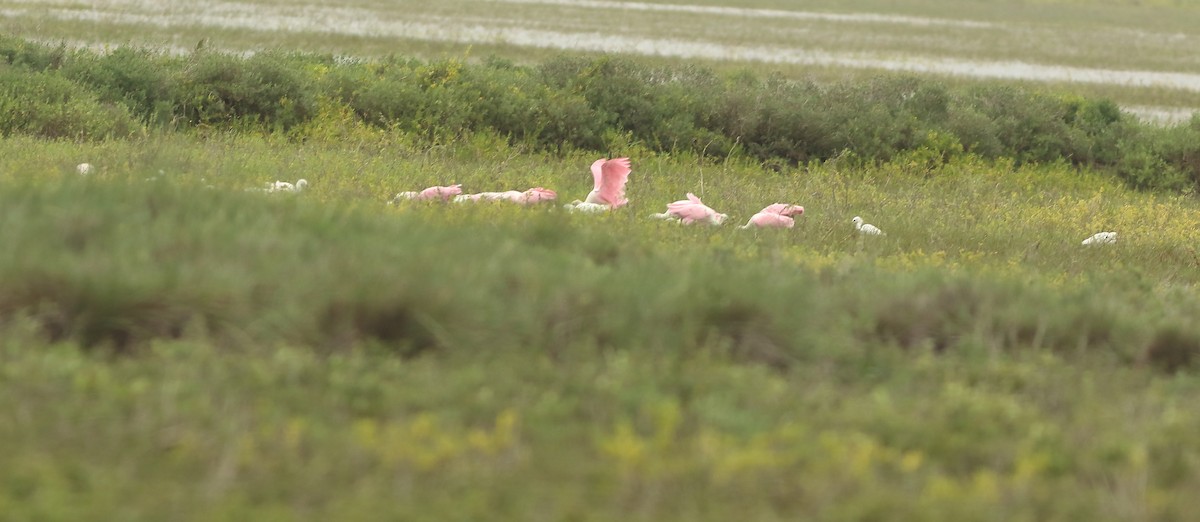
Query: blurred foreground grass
(172,351)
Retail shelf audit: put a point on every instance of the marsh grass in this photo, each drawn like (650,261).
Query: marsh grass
(173,350)
(176,346)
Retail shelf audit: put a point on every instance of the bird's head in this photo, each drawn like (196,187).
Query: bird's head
(718,219)
(301,183)
(858,221)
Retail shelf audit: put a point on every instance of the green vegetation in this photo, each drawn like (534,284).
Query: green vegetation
(175,351)
(174,346)
(585,103)
(1047,44)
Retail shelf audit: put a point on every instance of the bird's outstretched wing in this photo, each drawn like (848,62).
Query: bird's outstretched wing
(682,206)
(691,209)
(610,177)
(783,209)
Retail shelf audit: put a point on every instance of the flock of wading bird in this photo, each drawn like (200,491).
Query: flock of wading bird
(609,177)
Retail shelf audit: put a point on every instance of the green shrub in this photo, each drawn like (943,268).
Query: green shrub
(25,54)
(516,103)
(1103,127)
(47,105)
(1027,126)
(428,99)
(574,102)
(140,79)
(266,88)
(1159,158)
(776,119)
(663,108)
(384,98)
(1179,147)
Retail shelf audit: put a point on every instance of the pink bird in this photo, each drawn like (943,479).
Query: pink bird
(609,177)
(538,195)
(778,215)
(529,197)
(608,190)
(691,210)
(510,195)
(431,193)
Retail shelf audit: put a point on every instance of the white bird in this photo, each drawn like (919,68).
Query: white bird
(867,229)
(84,169)
(1101,238)
(283,186)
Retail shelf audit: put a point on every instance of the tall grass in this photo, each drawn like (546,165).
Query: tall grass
(177,351)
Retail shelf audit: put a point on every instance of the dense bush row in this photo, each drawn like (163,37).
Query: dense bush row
(582,102)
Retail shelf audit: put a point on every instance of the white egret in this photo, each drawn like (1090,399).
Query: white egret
(866,228)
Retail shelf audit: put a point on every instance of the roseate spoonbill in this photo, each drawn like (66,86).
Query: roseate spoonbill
(529,197)
(538,195)
(608,189)
(691,210)
(866,229)
(84,169)
(778,215)
(431,193)
(609,177)
(510,195)
(283,186)
(1101,238)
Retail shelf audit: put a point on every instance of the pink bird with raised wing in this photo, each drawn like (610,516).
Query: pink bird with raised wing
(778,215)
(691,210)
(431,193)
(609,177)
